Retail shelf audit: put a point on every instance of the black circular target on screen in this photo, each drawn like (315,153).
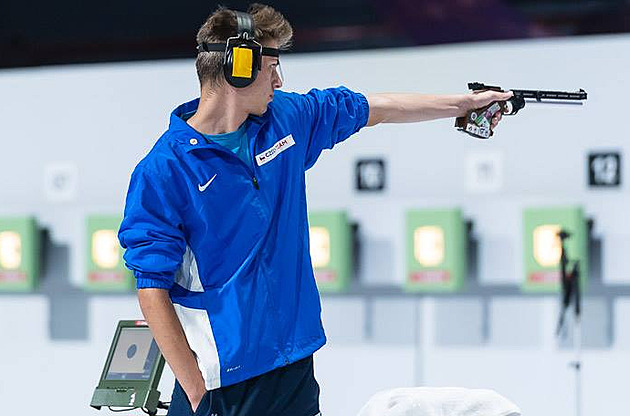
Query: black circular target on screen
(132,350)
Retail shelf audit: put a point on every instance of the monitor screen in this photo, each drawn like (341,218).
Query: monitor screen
(135,355)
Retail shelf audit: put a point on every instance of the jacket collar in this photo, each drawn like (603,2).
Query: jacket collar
(183,133)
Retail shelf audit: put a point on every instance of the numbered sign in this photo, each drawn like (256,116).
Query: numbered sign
(105,264)
(331,250)
(61,182)
(542,248)
(436,250)
(370,175)
(19,254)
(484,172)
(604,170)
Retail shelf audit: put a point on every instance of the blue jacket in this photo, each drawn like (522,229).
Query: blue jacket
(230,241)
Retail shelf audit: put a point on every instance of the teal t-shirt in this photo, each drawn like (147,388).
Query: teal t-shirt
(234,141)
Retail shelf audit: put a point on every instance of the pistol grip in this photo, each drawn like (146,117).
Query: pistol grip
(478,123)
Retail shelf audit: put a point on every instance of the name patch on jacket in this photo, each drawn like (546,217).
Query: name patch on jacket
(271,153)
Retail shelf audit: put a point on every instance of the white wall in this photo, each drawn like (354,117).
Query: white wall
(103,118)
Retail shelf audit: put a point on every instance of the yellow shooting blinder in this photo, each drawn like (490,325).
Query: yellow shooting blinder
(242,62)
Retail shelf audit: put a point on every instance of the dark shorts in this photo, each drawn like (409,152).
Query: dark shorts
(285,391)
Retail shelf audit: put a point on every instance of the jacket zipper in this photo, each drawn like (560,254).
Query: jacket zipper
(250,169)
(252,152)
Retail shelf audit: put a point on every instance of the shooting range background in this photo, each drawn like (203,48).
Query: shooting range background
(102,119)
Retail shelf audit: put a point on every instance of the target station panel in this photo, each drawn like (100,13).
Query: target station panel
(436,250)
(542,247)
(331,250)
(106,269)
(19,254)
(132,371)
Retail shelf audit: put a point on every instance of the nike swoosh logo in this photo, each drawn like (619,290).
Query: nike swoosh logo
(203,187)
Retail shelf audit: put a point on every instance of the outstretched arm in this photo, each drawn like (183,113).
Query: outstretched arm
(410,108)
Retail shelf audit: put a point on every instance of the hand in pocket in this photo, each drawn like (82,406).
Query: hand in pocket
(203,408)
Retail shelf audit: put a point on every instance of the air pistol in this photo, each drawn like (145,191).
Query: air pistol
(477,122)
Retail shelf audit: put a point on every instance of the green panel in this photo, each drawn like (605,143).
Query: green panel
(436,250)
(20,251)
(542,262)
(331,250)
(106,270)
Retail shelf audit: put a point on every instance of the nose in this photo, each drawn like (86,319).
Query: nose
(276,81)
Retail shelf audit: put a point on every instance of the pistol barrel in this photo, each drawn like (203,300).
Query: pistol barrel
(551,95)
(537,95)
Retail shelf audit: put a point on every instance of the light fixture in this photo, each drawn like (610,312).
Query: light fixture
(105,249)
(429,245)
(10,250)
(547,247)
(320,246)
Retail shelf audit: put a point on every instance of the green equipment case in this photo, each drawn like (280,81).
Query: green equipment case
(436,250)
(106,270)
(331,250)
(542,246)
(20,252)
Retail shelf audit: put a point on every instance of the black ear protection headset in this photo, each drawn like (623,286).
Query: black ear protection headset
(242,57)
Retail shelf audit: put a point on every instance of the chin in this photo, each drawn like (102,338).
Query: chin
(259,112)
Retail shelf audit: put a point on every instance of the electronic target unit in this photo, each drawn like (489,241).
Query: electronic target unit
(20,253)
(436,250)
(132,371)
(106,268)
(542,246)
(331,250)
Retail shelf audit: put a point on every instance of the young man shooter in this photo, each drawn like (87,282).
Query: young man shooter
(215,222)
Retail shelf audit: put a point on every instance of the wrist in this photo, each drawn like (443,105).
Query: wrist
(197,391)
(464,104)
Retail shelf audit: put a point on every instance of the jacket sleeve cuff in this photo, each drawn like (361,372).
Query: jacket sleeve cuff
(364,112)
(147,281)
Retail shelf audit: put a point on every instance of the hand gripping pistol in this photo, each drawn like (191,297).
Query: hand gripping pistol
(477,122)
